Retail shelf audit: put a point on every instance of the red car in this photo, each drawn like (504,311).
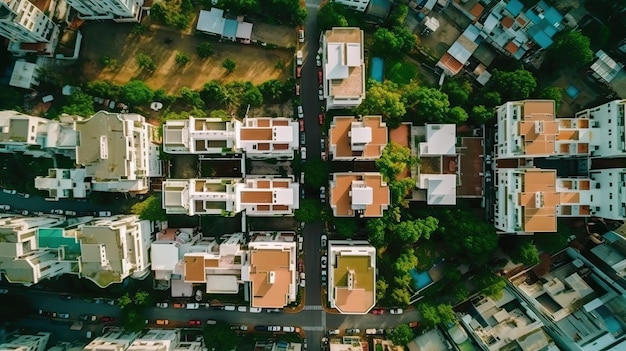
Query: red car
(298,89)
(299,72)
(107,319)
(321,118)
(194,322)
(302,125)
(320,76)
(414,324)
(378,311)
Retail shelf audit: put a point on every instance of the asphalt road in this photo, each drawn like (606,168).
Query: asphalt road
(39,204)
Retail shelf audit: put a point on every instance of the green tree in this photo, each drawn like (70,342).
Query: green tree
(381,289)
(451,273)
(132,319)
(481,114)
(142,298)
(394,160)
(401,191)
(191,97)
(488,98)
(468,236)
(252,96)
(220,336)
(446,313)
(401,335)
(428,104)
(570,49)
(458,91)
(204,50)
(405,262)
(400,297)
(408,232)
(456,115)
(102,88)
(460,294)
(162,96)
(346,227)
(79,104)
(383,99)
(493,286)
(309,211)
(430,315)
(392,43)
(240,7)
(182,58)
(136,92)
(145,62)
(552,93)
(316,171)
(150,209)
(512,86)
(526,253)
(124,300)
(331,15)
(214,93)
(229,65)
(272,90)
(52,74)
(401,72)
(375,228)
(398,15)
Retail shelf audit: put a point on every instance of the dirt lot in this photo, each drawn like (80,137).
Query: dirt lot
(254,63)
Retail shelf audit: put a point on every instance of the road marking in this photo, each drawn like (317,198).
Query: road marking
(313,308)
(316,328)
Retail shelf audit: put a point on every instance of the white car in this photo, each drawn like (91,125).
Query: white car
(318,60)
(301,177)
(5,207)
(324,262)
(323,193)
(59,212)
(370,331)
(162,305)
(242,308)
(255,310)
(289,329)
(301,36)
(299,58)
(300,112)
(303,153)
(320,93)
(396,311)
(333,332)
(324,241)
(229,308)
(9,191)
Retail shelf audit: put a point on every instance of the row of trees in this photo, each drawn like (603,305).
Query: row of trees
(276,11)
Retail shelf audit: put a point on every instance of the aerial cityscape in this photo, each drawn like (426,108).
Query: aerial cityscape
(290,175)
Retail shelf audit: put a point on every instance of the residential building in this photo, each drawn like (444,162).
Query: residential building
(257,196)
(117,10)
(104,250)
(64,184)
(167,251)
(610,72)
(506,324)
(258,137)
(608,192)
(37,136)
(113,339)
(580,303)
(356,5)
(214,23)
(217,265)
(26,21)
(116,339)
(438,171)
(349,343)
(362,194)
(343,67)
(25,342)
(120,152)
(22,259)
(351,276)
(454,60)
(354,139)
(608,119)
(271,269)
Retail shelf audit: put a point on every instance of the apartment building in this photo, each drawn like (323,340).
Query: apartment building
(357,139)
(117,10)
(167,251)
(120,152)
(351,276)
(608,119)
(356,5)
(271,269)
(64,184)
(258,138)
(25,342)
(506,324)
(22,259)
(438,168)
(265,196)
(104,250)
(362,194)
(577,299)
(114,339)
(26,21)
(37,136)
(343,67)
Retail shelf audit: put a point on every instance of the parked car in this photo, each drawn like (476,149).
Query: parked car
(194,322)
(88,318)
(320,93)
(273,328)
(301,36)
(297,89)
(230,308)
(301,177)
(299,58)
(63,315)
(179,305)
(320,77)
(273,310)
(301,125)
(353,331)
(320,118)
(162,322)
(414,324)
(24,213)
(378,311)
(371,331)
(107,301)
(242,308)
(324,241)
(48,314)
(70,213)
(303,153)
(162,304)
(323,193)
(396,311)
(211,322)
(333,332)
(299,72)
(193,306)
(5,207)
(300,112)
(59,212)
(287,329)
(302,138)
(24,195)
(106,319)
(103,214)
(322,144)
(324,262)
(256,310)
(9,191)
(239,327)
(318,60)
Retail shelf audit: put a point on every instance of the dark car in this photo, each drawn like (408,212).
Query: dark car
(107,319)
(88,318)
(320,76)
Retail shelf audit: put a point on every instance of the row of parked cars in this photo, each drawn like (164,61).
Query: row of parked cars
(276,329)
(195,306)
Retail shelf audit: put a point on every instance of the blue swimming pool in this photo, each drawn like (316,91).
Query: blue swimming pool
(376,71)
(572,91)
(420,279)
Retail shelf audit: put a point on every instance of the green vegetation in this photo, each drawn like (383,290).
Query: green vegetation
(334,14)
(172,13)
(273,11)
(219,336)
(383,99)
(136,92)
(316,171)
(393,43)
(401,335)
(145,62)
(182,58)
(204,50)
(435,315)
(570,49)
(79,104)
(229,65)
(133,306)
(150,209)
(310,211)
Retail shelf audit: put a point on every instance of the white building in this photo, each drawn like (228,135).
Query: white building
(117,10)
(64,183)
(36,342)
(259,138)
(152,340)
(119,151)
(356,5)
(37,136)
(167,251)
(343,67)
(257,196)
(609,120)
(25,21)
(608,193)
(115,339)
(439,150)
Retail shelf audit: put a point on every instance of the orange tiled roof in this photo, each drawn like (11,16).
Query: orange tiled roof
(263,263)
(538,127)
(341,200)
(340,139)
(453,65)
(539,200)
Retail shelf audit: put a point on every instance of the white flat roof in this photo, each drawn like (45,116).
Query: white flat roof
(362,196)
(244,30)
(353,54)
(440,140)
(441,188)
(283,134)
(211,21)
(335,69)
(164,255)
(360,135)
(283,196)
(221,283)
(24,75)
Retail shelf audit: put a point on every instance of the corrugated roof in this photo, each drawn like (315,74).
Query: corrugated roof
(514,7)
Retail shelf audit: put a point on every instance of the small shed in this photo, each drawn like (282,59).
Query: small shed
(211,22)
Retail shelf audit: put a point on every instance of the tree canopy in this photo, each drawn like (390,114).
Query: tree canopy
(309,211)
(468,236)
(316,171)
(435,315)
(375,228)
(136,92)
(526,253)
(346,227)
(383,99)
(150,209)
(220,336)
(427,104)
(394,160)
(571,48)
(552,93)
(401,335)
(513,85)
(79,104)
(332,14)
(408,232)
(393,43)
(458,90)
